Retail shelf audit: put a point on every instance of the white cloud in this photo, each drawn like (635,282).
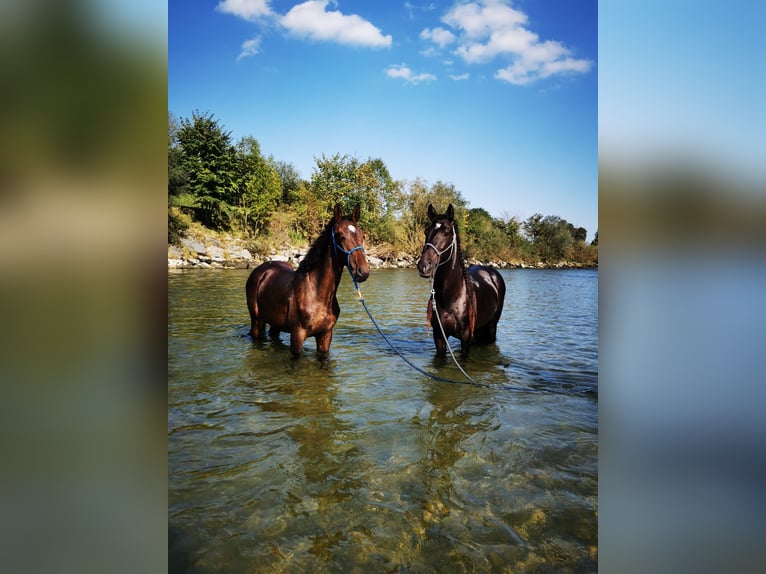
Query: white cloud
(511,41)
(312,20)
(246,9)
(523,72)
(250,47)
(489,29)
(404,72)
(438,36)
(459,78)
(480,19)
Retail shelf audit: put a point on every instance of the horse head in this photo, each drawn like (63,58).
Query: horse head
(441,242)
(348,239)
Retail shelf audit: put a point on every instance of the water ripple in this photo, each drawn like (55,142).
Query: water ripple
(359,463)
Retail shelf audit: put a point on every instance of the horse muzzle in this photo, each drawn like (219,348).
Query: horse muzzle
(361,275)
(425,267)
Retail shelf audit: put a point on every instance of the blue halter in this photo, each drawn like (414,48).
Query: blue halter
(348,257)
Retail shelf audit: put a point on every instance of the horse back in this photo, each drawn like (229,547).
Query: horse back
(489,292)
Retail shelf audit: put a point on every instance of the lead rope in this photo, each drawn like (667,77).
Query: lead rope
(469,380)
(453,256)
(386,339)
(441,328)
(410,363)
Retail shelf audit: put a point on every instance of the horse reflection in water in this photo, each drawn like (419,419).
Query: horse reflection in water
(303,302)
(469,301)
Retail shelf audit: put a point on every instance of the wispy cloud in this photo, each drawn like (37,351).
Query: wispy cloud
(250,47)
(459,77)
(312,20)
(525,71)
(438,36)
(411,8)
(488,29)
(404,72)
(250,10)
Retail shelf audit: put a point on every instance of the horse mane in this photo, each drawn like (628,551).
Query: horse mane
(460,258)
(316,251)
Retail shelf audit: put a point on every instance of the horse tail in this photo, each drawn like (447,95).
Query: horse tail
(252,287)
(497,279)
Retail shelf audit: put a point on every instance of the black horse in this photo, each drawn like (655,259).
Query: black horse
(303,302)
(469,302)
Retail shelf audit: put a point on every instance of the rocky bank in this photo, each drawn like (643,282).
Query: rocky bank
(227,252)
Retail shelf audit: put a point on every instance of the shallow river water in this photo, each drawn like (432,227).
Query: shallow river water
(358,463)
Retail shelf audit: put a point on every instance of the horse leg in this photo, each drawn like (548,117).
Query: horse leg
(258,329)
(486,334)
(465,347)
(492,331)
(323,342)
(439,341)
(257,324)
(297,337)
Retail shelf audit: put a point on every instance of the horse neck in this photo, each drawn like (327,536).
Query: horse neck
(449,281)
(327,274)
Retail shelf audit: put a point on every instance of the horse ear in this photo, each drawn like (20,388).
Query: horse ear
(451,213)
(337,214)
(431,212)
(355,214)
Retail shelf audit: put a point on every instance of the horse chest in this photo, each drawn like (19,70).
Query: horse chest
(318,318)
(452,316)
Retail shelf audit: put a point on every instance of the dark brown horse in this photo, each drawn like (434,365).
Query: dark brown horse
(469,301)
(303,302)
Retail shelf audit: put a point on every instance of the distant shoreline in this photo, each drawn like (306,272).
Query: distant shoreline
(216,253)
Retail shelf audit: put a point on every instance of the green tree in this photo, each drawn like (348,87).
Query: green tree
(378,194)
(210,161)
(440,195)
(344,180)
(333,181)
(479,240)
(291,181)
(550,235)
(177,182)
(258,185)
(511,228)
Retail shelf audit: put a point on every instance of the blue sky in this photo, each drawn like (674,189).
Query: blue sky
(497,97)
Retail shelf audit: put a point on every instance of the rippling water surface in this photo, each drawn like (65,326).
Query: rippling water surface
(358,463)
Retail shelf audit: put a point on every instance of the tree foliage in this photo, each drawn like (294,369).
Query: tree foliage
(258,186)
(228,186)
(208,157)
